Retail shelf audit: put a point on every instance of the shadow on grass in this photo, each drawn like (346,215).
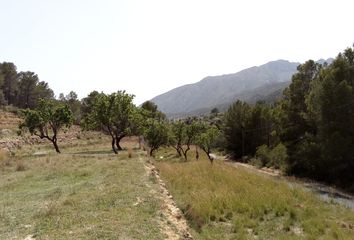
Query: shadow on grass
(93,152)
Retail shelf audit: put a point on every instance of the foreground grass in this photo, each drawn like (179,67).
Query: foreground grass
(222,202)
(85,193)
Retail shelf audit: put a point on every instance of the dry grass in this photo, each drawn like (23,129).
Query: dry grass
(8,120)
(4,159)
(20,166)
(3,155)
(85,193)
(130,153)
(227,203)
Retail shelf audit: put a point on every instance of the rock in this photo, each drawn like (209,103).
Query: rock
(30,237)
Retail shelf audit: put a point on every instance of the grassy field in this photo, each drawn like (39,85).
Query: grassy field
(85,193)
(89,193)
(222,202)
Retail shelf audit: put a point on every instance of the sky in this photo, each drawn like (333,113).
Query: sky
(148,47)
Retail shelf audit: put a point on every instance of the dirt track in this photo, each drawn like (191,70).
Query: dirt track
(172,221)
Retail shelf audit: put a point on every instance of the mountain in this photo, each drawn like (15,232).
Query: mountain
(265,82)
(223,90)
(268,93)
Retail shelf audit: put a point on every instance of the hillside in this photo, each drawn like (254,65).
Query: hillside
(10,140)
(221,90)
(268,93)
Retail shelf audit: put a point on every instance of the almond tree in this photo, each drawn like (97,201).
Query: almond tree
(156,134)
(192,129)
(178,129)
(113,114)
(46,120)
(207,139)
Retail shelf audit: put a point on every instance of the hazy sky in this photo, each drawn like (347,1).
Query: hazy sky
(148,47)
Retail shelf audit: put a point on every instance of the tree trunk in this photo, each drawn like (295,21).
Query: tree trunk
(178,150)
(185,153)
(118,141)
(207,151)
(196,153)
(151,151)
(268,136)
(211,159)
(54,141)
(113,145)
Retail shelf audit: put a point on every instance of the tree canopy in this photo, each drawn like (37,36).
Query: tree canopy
(46,120)
(113,114)
(156,133)
(22,89)
(206,140)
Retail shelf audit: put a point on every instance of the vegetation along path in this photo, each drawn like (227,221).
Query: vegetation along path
(325,192)
(223,202)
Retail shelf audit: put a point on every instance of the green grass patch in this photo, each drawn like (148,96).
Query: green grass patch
(84,193)
(222,202)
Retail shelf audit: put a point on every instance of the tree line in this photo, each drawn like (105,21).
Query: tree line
(309,132)
(116,115)
(21,89)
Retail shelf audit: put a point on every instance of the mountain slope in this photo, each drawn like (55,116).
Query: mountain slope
(224,89)
(268,93)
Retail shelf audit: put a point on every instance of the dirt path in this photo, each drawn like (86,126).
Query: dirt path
(267,171)
(172,221)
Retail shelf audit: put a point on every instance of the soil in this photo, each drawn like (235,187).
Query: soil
(172,221)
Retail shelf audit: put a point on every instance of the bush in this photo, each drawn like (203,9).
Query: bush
(275,157)
(256,162)
(219,143)
(263,155)
(278,157)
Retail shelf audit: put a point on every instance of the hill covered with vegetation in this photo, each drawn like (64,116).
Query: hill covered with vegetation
(225,89)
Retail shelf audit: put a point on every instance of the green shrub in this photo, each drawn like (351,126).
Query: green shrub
(256,162)
(278,157)
(275,157)
(263,155)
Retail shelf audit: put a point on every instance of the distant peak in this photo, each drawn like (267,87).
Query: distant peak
(279,61)
(322,61)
